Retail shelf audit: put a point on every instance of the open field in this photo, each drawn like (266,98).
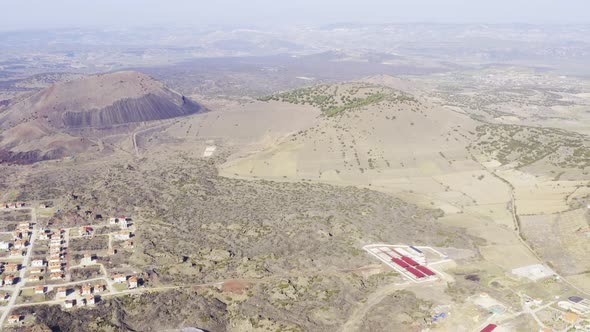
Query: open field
(567,248)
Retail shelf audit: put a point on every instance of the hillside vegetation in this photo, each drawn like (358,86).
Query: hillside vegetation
(335,99)
(524,146)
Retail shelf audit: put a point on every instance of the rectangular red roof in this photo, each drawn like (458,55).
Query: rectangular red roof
(489,328)
(400,262)
(410,261)
(425,270)
(415,272)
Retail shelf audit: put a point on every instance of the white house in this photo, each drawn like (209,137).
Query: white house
(123,223)
(88,259)
(37,263)
(62,292)
(9,280)
(132,282)
(119,278)
(124,235)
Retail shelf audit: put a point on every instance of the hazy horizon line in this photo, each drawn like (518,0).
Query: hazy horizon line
(9,28)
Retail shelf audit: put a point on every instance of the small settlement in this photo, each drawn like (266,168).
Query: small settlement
(43,264)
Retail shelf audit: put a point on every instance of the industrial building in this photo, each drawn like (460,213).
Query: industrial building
(407,260)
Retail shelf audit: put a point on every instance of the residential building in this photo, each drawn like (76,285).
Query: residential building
(85,290)
(37,263)
(62,292)
(17,253)
(86,230)
(88,259)
(9,280)
(54,258)
(123,235)
(55,269)
(119,278)
(132,282)
(12,267)
(56,276)
(123,223)
(34,278)
(40,290)
(117,220)
(20,244)
(54,265)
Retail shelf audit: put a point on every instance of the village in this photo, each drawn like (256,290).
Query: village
(71,266)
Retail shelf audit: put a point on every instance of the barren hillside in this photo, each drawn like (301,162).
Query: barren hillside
(57,120)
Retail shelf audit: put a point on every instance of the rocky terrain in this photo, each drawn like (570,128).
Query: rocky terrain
(294,247)
(146,312)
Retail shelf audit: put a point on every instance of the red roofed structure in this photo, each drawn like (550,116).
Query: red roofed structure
(410,261)
(489,328)
(425,270)
(400,262)
(415,272)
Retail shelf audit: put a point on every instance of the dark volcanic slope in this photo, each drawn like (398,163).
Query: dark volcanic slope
(55,122)
(100,101)
(147,108)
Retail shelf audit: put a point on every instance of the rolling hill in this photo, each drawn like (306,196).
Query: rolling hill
(378,137)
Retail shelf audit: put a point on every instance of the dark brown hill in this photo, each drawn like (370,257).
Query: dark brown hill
(59,120)
(101,101)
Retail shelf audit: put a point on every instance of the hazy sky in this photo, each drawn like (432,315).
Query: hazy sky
(98,13)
